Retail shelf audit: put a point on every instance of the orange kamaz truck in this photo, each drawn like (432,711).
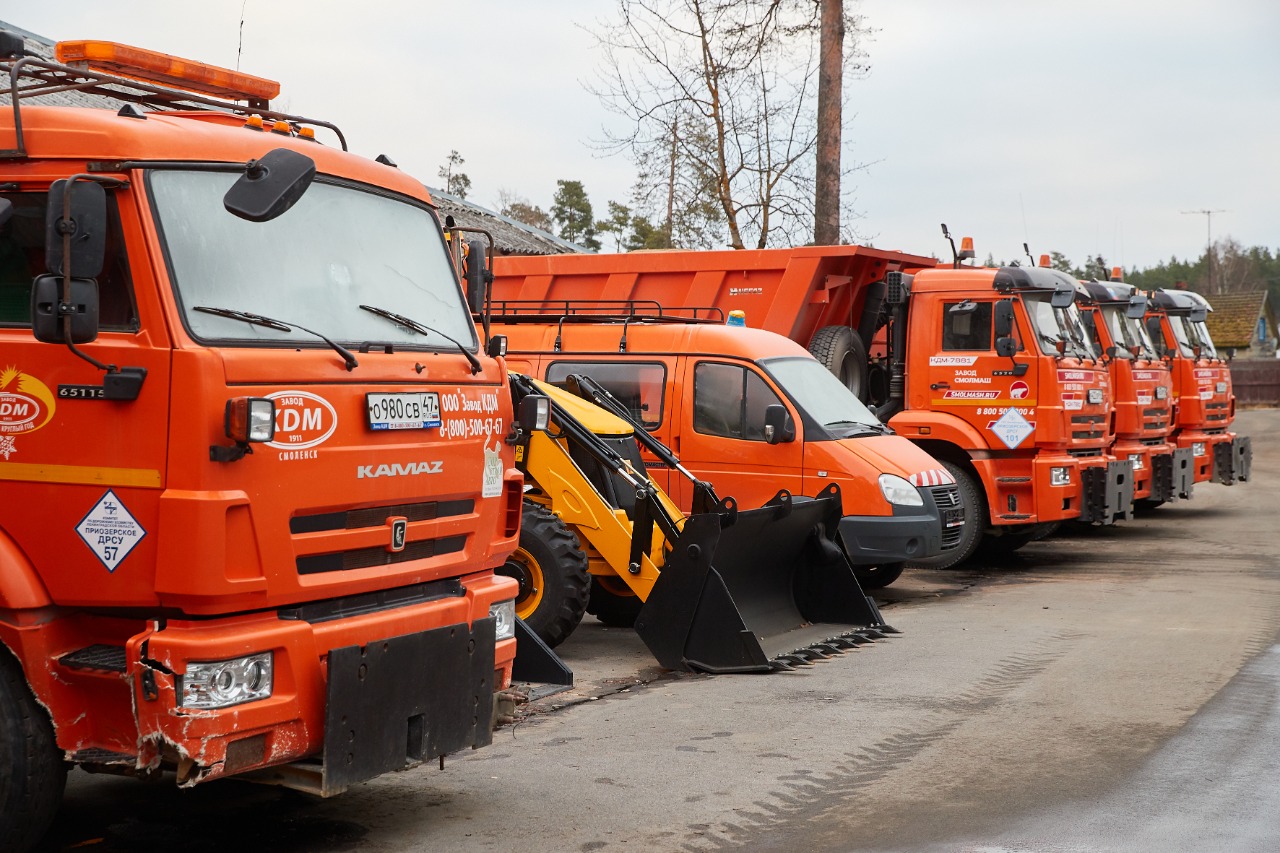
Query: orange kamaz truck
(988,370)
(1143,386)
(254,470)
(1204,405)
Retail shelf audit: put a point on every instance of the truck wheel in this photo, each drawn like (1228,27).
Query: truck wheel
(613,602)
(552,571)
(878,577)
(1008,543)
(974,501)
(32,775)
(842,352)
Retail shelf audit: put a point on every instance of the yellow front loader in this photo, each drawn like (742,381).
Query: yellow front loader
(721,590)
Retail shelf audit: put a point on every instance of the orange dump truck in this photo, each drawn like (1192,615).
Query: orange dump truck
(249,523)
(1204,404)
(1143,384)
(988,370)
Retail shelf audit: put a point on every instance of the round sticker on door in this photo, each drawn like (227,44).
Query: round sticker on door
(25,402)
(1018,390)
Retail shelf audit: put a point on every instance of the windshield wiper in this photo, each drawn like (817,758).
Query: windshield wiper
(279,325)
(423,329)
(878,429)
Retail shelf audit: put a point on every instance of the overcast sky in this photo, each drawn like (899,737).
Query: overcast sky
(1081,126)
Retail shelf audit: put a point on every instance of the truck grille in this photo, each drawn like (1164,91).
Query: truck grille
(1088,427)
(947,499)
(363,558)
(1155,418)
(354,519)
(1215,412)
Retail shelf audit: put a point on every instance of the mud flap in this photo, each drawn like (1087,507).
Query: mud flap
(406,699)
(1233,462)
(537,664)
(1173,475)
(771,589)
(1108,493)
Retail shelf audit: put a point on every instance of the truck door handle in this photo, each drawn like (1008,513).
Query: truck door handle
(935,386)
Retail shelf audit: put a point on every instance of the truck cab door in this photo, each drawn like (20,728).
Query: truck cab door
(967,379)
(723,435)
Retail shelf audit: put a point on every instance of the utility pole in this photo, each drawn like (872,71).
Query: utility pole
(1208,240)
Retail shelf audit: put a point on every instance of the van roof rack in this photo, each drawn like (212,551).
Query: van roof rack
(597,311)
(31,76)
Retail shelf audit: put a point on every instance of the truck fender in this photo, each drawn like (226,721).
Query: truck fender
(20,585)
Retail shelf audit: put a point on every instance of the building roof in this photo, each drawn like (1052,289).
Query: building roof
(510,236)
(1234,317)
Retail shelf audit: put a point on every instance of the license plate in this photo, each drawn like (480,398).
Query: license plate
(953,517)
(403,411)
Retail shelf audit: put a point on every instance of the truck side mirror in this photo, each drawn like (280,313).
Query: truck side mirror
(1063,297)
(1004,318)
(48,310)
(83,230)
(778,426)
(1006,347)
(1137,308)
(1198,315)
(270,185)
(534,414)
(479,276)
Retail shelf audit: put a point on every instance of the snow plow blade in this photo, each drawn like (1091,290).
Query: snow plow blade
(758,590)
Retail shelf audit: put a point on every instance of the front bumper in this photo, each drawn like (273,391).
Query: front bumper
(1173,475)
(911,533)
(1107,492)
(357,691)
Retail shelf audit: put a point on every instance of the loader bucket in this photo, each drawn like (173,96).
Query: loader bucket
(758,590)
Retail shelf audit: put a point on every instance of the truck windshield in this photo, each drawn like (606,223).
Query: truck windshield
(823,397)
(1127,333)
(1057,324)
(1191,334)
(1200,333)
(339,247)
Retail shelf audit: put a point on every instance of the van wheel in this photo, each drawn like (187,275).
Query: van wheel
(32,774)
(878,577)
(613,602)
(552,571)
(974,501)
(842,352)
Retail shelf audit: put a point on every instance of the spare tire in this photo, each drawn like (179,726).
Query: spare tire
(842,352)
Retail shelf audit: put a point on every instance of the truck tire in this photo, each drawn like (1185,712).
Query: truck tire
(842,352)
(974,501)
(878,577)
(32,774)
(552,571)
(615,608)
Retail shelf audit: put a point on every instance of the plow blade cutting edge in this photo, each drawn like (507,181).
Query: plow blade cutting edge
(758,590)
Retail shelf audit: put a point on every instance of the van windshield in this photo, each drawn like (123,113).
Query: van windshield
(337,248)
(823,397)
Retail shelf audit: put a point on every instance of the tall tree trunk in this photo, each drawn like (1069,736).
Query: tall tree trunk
(826,202)
(671,181)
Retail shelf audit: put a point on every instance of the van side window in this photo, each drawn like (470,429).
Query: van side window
(730,401)
(966,325)
(638,385)
(22,259)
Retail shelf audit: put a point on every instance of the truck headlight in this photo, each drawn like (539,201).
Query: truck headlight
(1197,448)
(1095,396)
(1059,476)
(504,617)
(898,491)
(1222,387)
(1135,459)
(220,684)
(1162,392)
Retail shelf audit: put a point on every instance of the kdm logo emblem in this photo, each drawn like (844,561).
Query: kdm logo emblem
(26,404)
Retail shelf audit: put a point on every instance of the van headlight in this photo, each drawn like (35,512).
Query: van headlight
(223,683)
(898,491)
(504,618)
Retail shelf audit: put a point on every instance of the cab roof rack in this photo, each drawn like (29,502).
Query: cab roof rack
(598,311)
(32,76)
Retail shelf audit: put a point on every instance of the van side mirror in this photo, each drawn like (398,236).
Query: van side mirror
(778,426)
(79,235)
(48,310)
(270,185)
